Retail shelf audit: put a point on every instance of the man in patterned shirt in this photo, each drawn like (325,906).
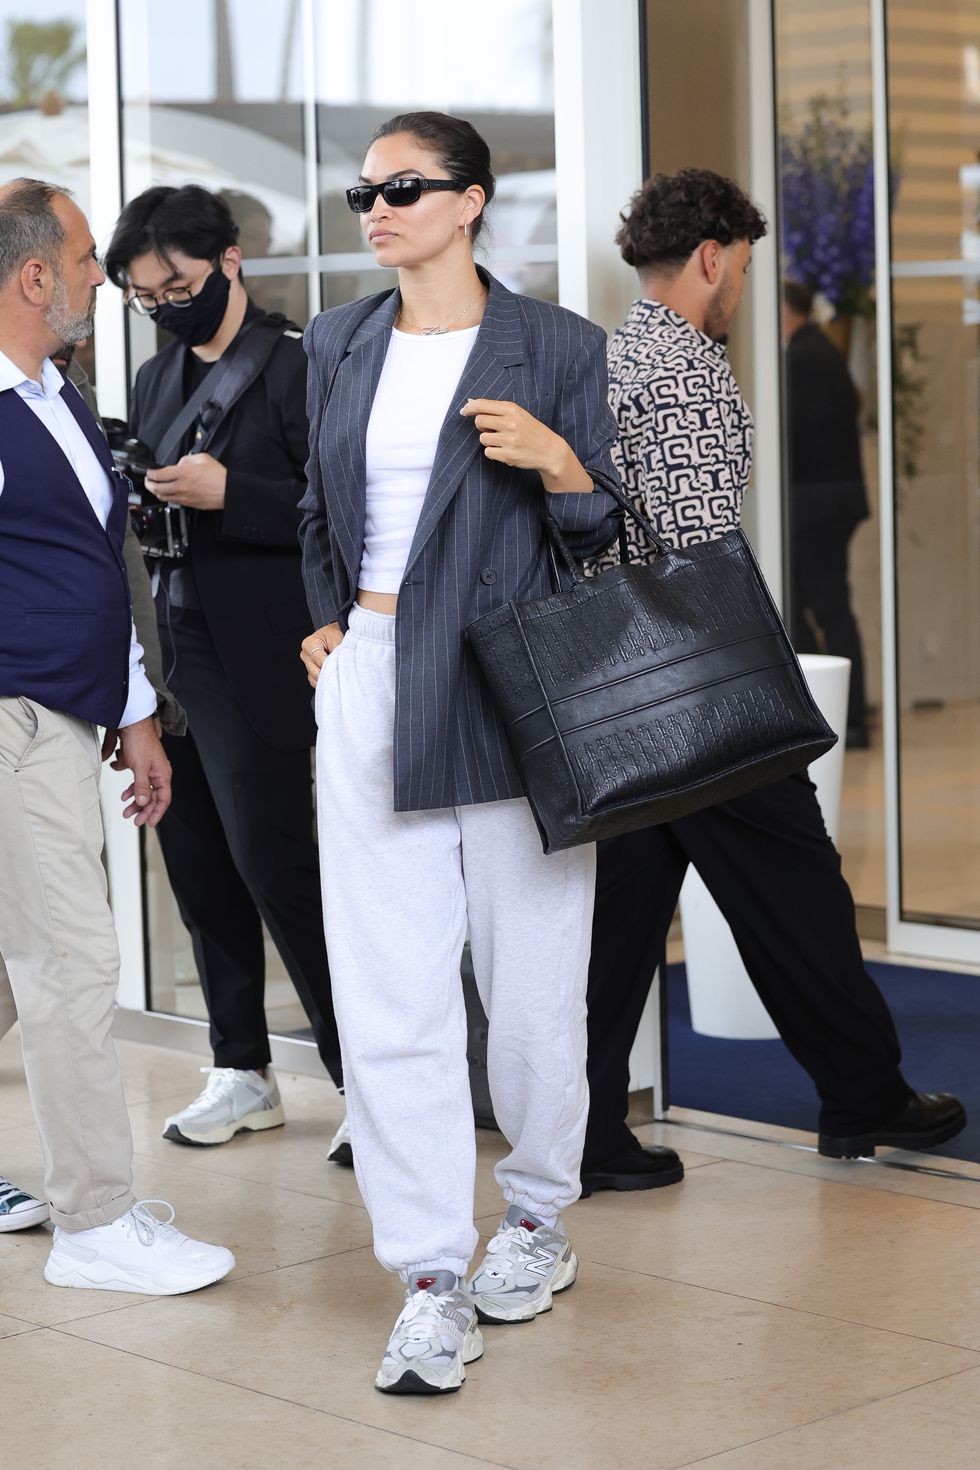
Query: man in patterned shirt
(685,453)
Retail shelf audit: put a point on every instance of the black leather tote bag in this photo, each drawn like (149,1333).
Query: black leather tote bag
(649,691)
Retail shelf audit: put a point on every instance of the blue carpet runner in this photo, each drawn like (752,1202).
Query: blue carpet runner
(938,1019)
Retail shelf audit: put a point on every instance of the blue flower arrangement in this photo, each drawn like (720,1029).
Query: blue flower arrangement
(828,219)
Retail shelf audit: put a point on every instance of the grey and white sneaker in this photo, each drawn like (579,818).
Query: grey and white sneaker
(525,1265)
(18,1209)
(340,1150)
(435,1336)
(232,1102)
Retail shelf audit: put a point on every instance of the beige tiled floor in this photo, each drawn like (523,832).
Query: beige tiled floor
(776,1312)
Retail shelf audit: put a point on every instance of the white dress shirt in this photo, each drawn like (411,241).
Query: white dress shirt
(46,402)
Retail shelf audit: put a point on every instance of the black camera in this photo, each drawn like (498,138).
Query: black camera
(160,529)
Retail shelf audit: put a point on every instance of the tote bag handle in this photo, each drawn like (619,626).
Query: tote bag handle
(559,546)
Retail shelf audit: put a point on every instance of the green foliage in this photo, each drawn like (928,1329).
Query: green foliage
(42,56)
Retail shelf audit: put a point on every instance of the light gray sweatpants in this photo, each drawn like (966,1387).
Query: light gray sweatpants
(399,889)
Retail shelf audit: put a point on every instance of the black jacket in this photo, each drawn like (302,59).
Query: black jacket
(825,473)
(246,557)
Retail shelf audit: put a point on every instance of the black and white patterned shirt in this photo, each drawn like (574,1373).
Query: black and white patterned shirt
(685,434)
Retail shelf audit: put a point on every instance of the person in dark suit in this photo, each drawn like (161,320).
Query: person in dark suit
(685,453)
(239,847)
(447,416)
(828,500)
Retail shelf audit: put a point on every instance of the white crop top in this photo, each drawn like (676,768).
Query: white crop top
(417,384)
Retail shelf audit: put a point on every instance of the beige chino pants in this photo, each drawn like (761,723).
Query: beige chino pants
(59,959)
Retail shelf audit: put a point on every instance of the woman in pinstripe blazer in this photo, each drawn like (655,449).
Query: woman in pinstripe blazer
(446,417)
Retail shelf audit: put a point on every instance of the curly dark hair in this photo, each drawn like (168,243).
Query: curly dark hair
(674,213)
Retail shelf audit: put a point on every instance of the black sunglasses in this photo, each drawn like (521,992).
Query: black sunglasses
(396,192)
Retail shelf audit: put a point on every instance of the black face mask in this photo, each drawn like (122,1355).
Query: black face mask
(199,321)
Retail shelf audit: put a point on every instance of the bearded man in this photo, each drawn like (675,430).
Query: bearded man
(70,666)
(685,454)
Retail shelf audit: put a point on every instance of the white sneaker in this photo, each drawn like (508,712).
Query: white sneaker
(137,1252)
(435,1336)
(340,1151)
(232,1102)
(19,1210)
(526,1264)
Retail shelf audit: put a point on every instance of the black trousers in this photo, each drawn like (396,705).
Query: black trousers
(776,876)
(238,846)
(820,584)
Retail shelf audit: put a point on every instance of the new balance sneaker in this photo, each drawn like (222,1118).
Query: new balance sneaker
(137,1252)
(340,1151)
(232,1102)
(435,1336)
(18,1210)
(525,1265)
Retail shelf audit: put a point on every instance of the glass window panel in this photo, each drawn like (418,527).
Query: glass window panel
(934,103)
(224,109)
(214,93)
(823,90)
(44,100)
(697,116)
(375,61)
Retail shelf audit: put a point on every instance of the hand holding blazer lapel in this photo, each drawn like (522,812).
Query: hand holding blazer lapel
(499,346)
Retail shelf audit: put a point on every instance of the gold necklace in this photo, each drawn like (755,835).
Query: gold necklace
(441,331)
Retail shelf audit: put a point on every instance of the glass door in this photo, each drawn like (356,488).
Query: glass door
(273,106)
(928,128)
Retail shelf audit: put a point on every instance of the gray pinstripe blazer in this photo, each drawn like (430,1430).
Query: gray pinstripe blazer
(480,539)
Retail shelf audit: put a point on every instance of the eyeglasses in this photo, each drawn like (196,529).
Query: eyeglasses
(396,191)
(145,303)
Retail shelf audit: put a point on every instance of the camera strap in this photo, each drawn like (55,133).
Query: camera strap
(214,398)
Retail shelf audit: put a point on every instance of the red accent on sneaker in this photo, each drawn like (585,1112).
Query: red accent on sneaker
(529,1225)
(422,1283)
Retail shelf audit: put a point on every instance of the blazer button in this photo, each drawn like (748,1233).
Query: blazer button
(488,576)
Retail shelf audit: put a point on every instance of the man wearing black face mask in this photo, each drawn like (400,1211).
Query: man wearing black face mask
(239,847)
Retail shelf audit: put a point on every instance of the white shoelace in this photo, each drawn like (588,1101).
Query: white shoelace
(222,1081)
(149,1227)
(509,1242)
(421,1308)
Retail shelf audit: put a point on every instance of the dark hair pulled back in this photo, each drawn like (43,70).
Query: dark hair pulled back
(190,219)
(455,143)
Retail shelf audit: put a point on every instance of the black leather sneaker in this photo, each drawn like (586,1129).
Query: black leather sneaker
(927,1118)
(649,1166)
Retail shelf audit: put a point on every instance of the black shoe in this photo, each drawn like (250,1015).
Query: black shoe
(644,1167)
(340,1151)
(927,1118)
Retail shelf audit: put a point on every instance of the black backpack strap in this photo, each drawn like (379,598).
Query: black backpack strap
(209,406)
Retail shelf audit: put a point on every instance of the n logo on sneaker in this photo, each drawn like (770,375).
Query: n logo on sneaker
(543,1261)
